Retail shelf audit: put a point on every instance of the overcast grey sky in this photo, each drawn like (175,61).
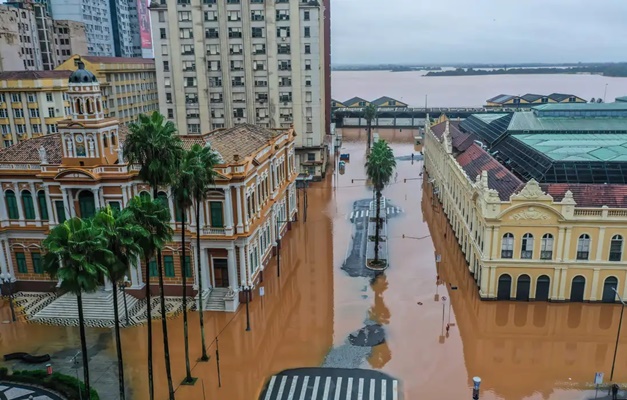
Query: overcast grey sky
(482,31)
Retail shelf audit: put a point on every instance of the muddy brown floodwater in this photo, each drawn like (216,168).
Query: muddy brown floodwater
(520,350)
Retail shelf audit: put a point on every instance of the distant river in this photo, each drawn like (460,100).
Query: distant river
(466,91)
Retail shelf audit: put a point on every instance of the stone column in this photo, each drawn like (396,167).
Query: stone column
(487,242)
(20,206)
(194,266)
(35,204)
(595,284)
(492,283)
(66,203)
(3,262)
(566,254)
(124,195)
(95,192)
(240,223)
(228,211)
(242,265)
(52,220)
(205,268)
(600,243)
(559,248)
(562,292)
(232,268)
(72,204)
(555,284)
(624,286)
(3,209)
(108,285)
(6,247)
(135,274)
(483,280)
(171,207)
(496,243)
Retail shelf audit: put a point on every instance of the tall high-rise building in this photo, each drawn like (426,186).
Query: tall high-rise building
(30,40)
(111,25)
(265,62)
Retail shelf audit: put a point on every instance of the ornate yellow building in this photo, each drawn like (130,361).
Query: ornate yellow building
(523,239)
(81,168)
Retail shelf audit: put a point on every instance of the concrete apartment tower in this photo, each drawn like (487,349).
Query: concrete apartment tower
(30,40)
(263,62)
(111,25)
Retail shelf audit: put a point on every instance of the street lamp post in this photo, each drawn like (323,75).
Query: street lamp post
(123,285)
(338,144)
(246,289)
(8,280)
(278,247)
(620,322)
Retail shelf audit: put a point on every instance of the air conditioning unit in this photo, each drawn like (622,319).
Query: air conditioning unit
(308,118)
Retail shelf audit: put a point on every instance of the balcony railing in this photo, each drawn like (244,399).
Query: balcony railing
(526,254)
(582,255)
(208,230)
(507,253)
(546,255)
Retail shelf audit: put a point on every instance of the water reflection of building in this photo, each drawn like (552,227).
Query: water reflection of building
(46,180)
(523,349)
(559,239)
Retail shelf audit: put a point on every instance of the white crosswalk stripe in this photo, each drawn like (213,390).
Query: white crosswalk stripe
(298,387)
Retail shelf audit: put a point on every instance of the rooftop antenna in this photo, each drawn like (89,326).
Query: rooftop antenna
(605,92)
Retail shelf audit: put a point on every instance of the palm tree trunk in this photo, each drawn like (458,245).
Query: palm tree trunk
(151,386)
(378,227)
(164,322)
(204,356)
(369,123)
(81,328)
(188,371)
(118,344)
(164,327)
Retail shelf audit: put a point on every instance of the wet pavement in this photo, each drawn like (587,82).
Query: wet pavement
(520,350)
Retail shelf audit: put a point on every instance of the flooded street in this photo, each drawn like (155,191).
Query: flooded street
(520,350)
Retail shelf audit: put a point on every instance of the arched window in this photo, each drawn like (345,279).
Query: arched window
(105,141)
(583,247)
(546,249)
(79,106)
(504,288)
(113,139)
(43,207)
(507,246)
(526,250)
(577,288)
(616,248)
(610,284)
(29,207)
(144,195)
(12,205)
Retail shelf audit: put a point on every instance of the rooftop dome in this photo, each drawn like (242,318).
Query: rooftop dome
(81,75)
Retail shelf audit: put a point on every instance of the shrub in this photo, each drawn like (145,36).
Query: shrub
(64,384)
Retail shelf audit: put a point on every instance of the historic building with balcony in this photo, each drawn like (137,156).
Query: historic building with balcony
(48,179)
(536,199)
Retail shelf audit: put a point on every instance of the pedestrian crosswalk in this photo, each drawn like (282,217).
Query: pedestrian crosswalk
(365,213)
(309,387)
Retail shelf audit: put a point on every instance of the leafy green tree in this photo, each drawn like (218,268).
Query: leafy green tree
(370,113)
(123,236)
(74,253)
(203,177)
(379,169)
(154,217)
(153,145)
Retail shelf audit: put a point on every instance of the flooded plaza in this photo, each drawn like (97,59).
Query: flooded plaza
(520,350)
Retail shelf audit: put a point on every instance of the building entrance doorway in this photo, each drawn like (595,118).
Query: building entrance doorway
(221,272)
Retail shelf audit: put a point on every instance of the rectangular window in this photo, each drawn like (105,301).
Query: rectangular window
(168,265)
(115,205)
(21,263)
(60,208)
(16,97)
(211,33)
(152,268)
(187,49)
(307,49)
(51,112)
(217,220)
(188,267)
(185,33)
(185,15)
(306,16)
(49,96)
(257,32)
(18,113)
(37,267)
(307,32)
(162,33)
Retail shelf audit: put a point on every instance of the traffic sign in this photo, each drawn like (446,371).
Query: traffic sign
(598,378)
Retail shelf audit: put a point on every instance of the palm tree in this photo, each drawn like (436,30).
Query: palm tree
(370,113)
(75,249)
(154,216)
(123,237)
(379,169)
(183,190)
(153,145)
(203,177)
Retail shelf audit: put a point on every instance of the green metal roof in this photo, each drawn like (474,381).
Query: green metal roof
(622,99)
(581,107)
(487,118)
(528,121)
(578,146)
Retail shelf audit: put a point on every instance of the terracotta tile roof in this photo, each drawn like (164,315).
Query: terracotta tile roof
(23,75)
(589,195)
(118,60)
(27,151)
(475,160)
(242,140)
(461,140)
